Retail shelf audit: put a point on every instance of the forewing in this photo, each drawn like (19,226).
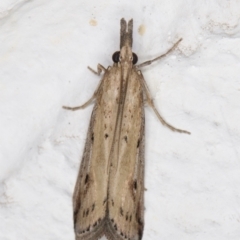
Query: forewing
(126,180)
(90,194)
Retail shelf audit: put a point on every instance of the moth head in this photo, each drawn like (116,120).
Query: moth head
(116,57)
(125,55)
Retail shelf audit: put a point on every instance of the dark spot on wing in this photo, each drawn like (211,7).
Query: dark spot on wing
(75,216)
(121,211)
(104,201)
(140,228)
(140,232)
(135,184)
(106,136)
(87,212)
(92,137)
(86,179)
(126,139)
(93,207)
(138,143)
(140,221)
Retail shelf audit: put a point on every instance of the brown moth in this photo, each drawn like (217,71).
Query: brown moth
(108,196)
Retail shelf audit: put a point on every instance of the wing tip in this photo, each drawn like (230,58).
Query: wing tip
(106,228)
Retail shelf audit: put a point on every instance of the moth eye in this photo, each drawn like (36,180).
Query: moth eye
(135,58)
(116,57)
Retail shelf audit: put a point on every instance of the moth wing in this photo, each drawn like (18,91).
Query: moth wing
(126,185)
(90,194)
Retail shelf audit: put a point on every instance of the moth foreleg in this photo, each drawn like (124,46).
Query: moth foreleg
(90,100)
(100,68)
(82,106)
(150,102)
(157,58)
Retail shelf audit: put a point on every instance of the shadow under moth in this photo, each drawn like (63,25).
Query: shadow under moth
(109,193)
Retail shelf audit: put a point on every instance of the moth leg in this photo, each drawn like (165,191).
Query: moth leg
(100,68)
(150,102)
(88,102)
(82,106)
(157,58)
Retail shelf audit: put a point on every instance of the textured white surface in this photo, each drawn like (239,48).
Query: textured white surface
(193,182)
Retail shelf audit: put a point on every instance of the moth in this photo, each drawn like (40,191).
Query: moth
(109,193)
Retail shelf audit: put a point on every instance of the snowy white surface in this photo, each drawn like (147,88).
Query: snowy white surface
(193,182)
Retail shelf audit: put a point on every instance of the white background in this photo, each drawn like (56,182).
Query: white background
(192,182)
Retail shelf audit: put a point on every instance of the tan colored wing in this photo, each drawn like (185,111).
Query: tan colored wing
(126,180)
(90,194)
